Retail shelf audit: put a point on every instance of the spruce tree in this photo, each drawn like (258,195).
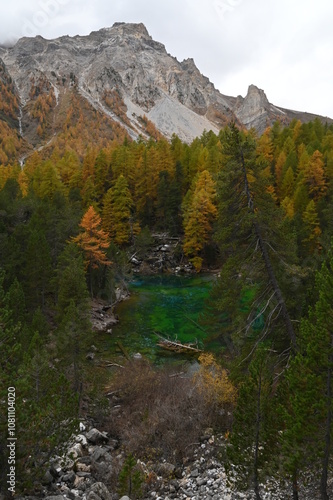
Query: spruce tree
(309,398)
(254,433)
(74,327)
(47,412)
(259,276)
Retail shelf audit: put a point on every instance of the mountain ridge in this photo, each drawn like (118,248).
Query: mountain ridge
(132,81)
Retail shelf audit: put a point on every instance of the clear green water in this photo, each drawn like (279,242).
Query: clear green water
(170,305)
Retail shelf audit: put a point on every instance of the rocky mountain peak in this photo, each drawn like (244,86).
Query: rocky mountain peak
(256,96)
(255,110)
(132,29)
(128,77)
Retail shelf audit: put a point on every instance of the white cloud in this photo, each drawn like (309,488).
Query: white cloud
(284,47)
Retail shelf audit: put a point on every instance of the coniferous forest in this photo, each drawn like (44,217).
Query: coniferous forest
(256,209)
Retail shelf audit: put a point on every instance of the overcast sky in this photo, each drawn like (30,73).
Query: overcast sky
(285,47)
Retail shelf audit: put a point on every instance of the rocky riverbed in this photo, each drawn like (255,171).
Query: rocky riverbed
(91,465)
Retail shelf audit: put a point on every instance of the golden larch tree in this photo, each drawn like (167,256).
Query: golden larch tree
(94,241)
(199,214)
(314,176)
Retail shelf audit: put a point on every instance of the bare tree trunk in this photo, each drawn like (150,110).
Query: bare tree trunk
(295,486)
(91,281)
(256,444)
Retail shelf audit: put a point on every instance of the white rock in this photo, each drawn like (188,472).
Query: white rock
(83,467)
(75,451)
(78,481)
(81,439)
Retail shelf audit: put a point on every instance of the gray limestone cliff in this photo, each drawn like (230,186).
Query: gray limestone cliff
(126,75)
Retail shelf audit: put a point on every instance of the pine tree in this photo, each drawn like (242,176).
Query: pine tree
(169,200)
(258,257)
(117,213)
(103,174)
(308,398)
(312,227)
(287,185)
(71,283)
(47,412)
(38,268)
(74,327)
(254,432)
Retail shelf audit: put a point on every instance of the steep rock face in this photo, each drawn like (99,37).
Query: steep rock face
(131,80)
(256,111)
(124,60)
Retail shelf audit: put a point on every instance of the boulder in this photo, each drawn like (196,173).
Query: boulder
(94,436)
(93,496)
(69,478)
(47,479)
(166,470)
(81,439)
(78,482)
(98,453)
(137,356)
(75,451)
(55,497)
(100,491)
(100,470)
(83,467)
(84,460)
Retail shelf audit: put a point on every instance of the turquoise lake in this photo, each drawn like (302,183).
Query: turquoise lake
(169,305)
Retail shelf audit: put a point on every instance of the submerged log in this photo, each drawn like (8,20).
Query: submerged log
(123,350)
(176,346)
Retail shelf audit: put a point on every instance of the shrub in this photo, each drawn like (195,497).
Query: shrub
(161,414)
(130,478)
(214,384)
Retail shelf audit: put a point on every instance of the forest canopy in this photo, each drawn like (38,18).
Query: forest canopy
(257,209)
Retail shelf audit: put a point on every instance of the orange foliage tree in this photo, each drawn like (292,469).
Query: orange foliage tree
(94,241)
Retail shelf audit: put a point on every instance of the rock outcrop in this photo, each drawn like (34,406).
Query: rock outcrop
(255,110)
(131,79)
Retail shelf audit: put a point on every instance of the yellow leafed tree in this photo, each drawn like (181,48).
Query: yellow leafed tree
(214,383)
(314,176)
(94,241)
(199,214)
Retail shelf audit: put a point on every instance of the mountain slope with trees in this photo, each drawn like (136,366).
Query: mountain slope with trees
(121,79)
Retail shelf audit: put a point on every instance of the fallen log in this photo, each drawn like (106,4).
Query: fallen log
(123,350)
(176,346)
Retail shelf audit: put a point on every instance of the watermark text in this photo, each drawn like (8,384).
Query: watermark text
(223,7)
(48,9)
(11,440)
